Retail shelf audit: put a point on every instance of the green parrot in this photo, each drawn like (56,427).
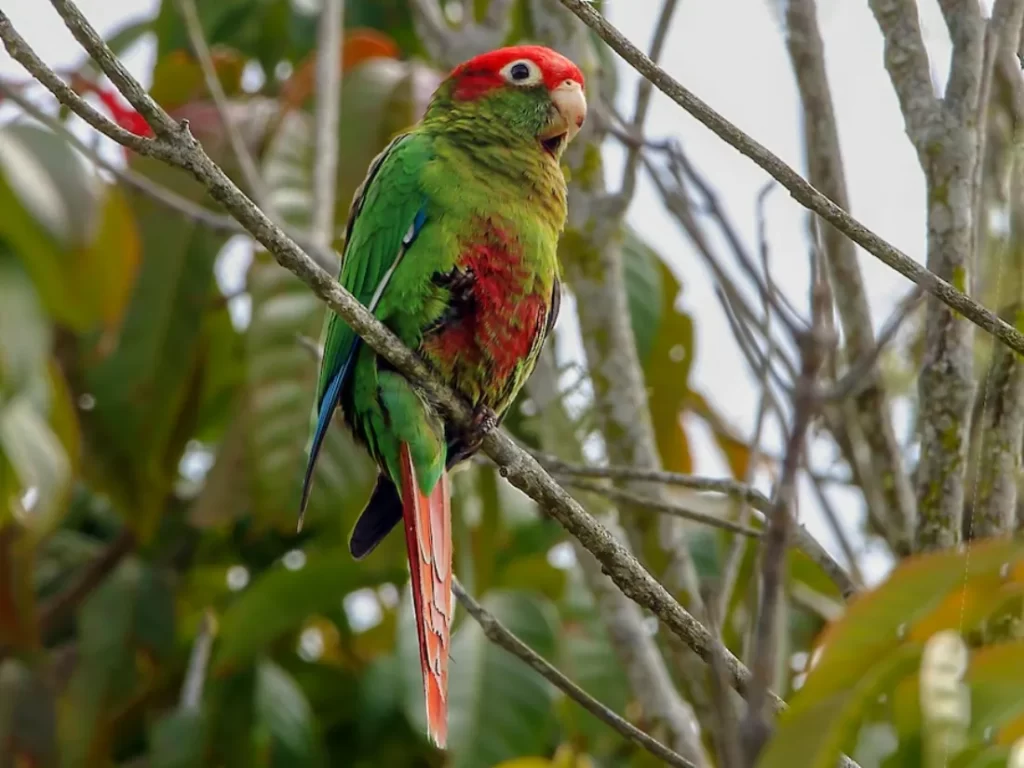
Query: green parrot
(451,243)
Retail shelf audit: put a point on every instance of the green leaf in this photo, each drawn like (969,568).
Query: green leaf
(283,710)
(74,234)
(28,721)
(815,736)
(132,610)
(146,388)
(665,345)
(499,708)
(280,600)
(281,380)
(177,740)
(923,595)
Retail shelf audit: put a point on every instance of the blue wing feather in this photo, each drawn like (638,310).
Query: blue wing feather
(331,396)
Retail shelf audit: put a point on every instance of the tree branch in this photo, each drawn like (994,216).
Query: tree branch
(803,539)
(503,638)
(451,45)
(800,189)
(825,172)
(328,115)
(178,147)
(638,501)
(945,137)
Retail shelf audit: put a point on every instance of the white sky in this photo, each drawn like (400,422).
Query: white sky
(732,54)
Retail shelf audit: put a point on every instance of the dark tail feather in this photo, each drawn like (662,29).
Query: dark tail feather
(382,513)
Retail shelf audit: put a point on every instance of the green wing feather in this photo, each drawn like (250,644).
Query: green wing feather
(387,214)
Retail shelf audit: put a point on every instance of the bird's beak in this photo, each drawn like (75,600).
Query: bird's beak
(570,112)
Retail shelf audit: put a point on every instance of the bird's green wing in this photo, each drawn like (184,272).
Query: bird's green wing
(388,211)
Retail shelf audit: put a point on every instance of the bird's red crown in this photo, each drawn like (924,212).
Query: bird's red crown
(483,73)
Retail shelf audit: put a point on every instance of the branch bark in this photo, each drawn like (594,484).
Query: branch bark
(825,172)
(945,136)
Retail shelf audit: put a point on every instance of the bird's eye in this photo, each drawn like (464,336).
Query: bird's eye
(522,72)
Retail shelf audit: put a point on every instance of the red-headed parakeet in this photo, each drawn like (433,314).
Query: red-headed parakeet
(451,243)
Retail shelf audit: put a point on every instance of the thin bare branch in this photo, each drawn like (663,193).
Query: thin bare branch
(967,32)
(179,148)
(450,45)
(246,163)
(644,91)
(826,172)
(328,116)
(498,634)
(799,188)
(639,501)
(802,538)
(757,723)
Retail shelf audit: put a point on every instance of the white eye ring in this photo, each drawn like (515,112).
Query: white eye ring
(522,72)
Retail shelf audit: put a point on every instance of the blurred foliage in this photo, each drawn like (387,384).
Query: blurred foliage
(155,398)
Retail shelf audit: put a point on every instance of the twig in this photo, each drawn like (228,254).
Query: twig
(450,45)
(503,638)
(855,377)
(179,148)
(803,539)
(837,528)
(246,163)
(727,734)
(800,189)
(644,91)
(328,115)
(639,501)
(756,724)
(198,663)
(734,557)
(57,607)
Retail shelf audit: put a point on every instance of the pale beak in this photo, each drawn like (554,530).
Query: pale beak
(571,110)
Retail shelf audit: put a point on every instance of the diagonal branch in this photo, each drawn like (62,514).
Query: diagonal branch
(803,192)
(502,637)
(178,147)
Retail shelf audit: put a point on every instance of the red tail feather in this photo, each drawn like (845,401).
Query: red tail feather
(428,537)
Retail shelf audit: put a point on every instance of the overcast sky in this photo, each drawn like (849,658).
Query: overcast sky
(732,54)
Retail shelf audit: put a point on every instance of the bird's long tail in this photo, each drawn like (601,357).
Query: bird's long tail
(428,538)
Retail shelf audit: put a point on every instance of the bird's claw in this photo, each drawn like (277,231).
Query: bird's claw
(483,422)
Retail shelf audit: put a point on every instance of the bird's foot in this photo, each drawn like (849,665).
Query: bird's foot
(483,422)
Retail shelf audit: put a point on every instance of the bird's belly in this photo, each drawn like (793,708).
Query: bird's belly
(486,342)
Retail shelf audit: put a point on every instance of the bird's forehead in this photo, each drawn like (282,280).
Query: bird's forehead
(556,67)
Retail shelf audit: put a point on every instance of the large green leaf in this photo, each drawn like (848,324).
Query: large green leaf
(664,338)
(281,600)
(73,233)
(28,720)
(499,707)
(281,380)
(147,388)
(177,740)
(282,709)
(132,611)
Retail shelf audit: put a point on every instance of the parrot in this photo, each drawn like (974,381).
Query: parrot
(451,242)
